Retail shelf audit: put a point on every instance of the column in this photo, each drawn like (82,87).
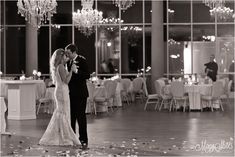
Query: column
(31,49)
(157,54)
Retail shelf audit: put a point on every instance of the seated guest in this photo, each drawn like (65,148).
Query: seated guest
(211,68)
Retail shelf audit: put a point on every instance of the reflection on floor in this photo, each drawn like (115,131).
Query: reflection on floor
(133,132)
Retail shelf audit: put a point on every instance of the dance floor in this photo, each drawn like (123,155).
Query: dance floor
(131,131)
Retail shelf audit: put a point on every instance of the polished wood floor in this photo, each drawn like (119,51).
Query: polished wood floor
(133,131)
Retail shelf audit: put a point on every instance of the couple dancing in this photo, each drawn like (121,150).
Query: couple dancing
(71,95)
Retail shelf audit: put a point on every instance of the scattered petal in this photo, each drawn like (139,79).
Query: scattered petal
(172,138)
(153,140)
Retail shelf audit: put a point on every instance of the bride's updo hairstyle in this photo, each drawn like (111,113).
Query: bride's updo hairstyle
(56,59)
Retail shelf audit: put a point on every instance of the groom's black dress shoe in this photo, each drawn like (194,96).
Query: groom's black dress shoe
(84,146)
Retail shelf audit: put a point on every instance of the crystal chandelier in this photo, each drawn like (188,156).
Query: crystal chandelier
(214,3)
(37,12)
(86,19)
(112,23)
(124,4)
(222,13)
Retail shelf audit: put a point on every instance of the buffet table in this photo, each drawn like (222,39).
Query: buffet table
(21,98)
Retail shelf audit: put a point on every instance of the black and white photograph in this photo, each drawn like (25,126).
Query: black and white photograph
(115,78)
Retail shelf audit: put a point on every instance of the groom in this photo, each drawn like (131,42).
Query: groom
(78,92)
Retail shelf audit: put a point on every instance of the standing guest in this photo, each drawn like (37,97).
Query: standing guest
(111,66)
(78,92)
(211,68)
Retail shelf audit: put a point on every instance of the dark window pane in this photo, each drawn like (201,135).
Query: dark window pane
(2,49)
(61,36)
(164,12)
(15,55)
(12,16)
(132,48)
(201,12)
(226,30)
(179,35)
(64,13)
(165,33)
(2,12)
(148,46)
(203,32)
(179,11)
(77,5)
(86,48)
(148,11)
(180,32)
(43,50)
(108,49)
(133,14)
(108,9)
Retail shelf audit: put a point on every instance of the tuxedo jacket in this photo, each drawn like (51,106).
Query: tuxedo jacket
(77,84)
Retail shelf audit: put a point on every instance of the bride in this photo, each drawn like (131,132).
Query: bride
(59,131)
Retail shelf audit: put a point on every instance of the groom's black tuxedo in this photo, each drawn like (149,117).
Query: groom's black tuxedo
(78,96)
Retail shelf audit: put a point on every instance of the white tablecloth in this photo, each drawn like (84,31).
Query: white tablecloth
(194,92)
(3,110)
(39,91)
(4,88)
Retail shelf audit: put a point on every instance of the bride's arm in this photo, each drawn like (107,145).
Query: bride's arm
(64,75)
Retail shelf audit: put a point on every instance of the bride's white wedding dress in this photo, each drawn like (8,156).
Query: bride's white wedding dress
(59,131)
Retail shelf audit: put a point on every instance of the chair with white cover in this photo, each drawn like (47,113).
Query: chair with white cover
(108,98)
(47,101)
(110,87)
(164,98)
(125,94)
(217,91)
(178,94)
(90,99)
(151,99)
(139,88)
(227,91)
